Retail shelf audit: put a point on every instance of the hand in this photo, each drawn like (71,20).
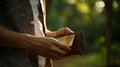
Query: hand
(47,47)
(44,46)
(61,31)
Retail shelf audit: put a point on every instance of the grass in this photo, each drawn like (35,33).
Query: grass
(91,60)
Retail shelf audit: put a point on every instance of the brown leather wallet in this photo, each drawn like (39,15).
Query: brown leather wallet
(77,47)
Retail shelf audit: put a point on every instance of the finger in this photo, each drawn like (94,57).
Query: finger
(54,52)
(58,51)
(62,46)
(64,31)
(68,30)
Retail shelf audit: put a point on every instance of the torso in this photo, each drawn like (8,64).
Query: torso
(17,15)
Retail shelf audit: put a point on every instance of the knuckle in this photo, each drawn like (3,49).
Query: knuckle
(66,28)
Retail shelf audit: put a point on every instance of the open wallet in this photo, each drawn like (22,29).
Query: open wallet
(75,41)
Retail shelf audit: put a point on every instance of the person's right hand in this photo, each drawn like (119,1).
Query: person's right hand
(44,46)
(47,47)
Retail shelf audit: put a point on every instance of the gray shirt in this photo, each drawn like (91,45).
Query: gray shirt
(16,15)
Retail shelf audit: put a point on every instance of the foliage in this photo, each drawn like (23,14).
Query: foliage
(89,17)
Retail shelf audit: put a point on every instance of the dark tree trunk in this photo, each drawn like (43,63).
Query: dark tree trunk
(108,9)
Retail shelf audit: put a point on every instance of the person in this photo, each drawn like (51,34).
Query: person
(24,35)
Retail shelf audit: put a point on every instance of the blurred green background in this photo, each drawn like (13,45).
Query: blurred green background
(98,20)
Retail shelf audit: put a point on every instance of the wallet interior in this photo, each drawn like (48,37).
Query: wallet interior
(75,42)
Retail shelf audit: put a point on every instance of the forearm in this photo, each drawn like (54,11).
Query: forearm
(10,38)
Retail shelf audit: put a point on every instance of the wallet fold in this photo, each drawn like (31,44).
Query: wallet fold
(77,47)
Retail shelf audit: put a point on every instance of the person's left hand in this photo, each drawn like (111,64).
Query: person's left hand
(61,31)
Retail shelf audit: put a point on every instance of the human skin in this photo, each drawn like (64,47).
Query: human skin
(44,46)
